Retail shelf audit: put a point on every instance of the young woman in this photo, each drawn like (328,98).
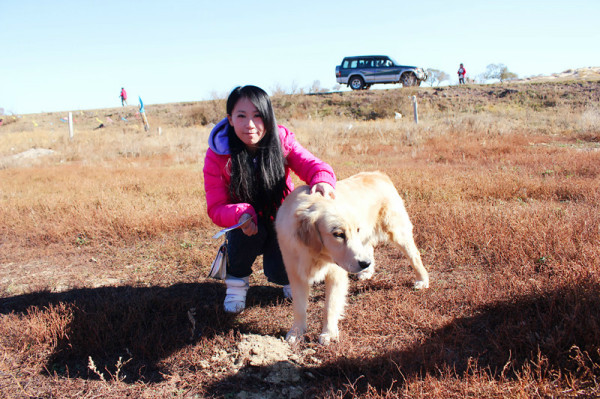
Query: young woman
(246,177)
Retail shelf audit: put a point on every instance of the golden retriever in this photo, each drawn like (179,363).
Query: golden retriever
(325,239)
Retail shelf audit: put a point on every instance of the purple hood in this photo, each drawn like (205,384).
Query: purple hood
(218,141)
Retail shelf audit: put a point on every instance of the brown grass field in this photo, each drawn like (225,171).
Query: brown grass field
(105,246)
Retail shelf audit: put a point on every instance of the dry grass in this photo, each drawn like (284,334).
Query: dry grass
(105,245)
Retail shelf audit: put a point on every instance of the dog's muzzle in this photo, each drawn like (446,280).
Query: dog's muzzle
(364,264)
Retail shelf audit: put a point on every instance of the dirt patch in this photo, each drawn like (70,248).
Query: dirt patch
(30,157)
(267,359)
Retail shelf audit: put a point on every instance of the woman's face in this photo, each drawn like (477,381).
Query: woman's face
(247,123)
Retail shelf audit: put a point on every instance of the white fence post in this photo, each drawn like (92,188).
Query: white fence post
(70,126)
(415,108)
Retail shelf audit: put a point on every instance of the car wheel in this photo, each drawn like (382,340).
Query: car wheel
(408,79)
(356,83)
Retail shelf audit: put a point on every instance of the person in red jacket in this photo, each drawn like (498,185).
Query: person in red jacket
(246,178)
(461,74)
(123,96)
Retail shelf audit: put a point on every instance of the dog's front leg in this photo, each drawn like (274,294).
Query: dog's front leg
(300,291)
(336,290)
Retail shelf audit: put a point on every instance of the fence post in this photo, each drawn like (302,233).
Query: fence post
(143,115)
(70,126)
(415,108)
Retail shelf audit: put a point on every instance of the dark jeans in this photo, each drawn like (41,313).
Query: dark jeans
(243,250)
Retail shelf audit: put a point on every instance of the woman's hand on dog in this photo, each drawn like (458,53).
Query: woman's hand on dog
(325,189)
(249,227)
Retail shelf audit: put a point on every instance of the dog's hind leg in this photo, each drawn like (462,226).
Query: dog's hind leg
(400,231)
(412,252)
(408,246)
(336,290)
(402,236)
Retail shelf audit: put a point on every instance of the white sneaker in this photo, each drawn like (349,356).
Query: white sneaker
(287,292)
(235,296)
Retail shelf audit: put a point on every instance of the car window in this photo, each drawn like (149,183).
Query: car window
(353,63)
(381,63)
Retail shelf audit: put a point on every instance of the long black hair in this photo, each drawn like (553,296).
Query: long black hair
(257,177)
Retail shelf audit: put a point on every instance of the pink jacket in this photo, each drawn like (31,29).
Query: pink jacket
(217,173)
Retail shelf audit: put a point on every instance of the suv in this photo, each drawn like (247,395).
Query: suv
(361,72)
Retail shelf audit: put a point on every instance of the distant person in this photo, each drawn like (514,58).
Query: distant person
(123,96)
(461,74)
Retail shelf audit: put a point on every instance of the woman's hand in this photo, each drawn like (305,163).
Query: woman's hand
(325,189)
(249,227)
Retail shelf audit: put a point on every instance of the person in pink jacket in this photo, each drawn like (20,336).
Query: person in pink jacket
(246,178)
(123,96)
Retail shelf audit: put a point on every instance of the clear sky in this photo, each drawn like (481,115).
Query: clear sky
(67,55)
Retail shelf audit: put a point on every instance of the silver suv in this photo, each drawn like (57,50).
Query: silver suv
(360,72)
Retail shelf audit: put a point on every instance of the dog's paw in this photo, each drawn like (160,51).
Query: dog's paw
(294,335)
(366,274)
(326,338)
(293,338)
(421,284)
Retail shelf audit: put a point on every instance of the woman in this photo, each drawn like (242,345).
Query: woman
(246,177)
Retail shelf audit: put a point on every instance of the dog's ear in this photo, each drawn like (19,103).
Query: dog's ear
(307,229)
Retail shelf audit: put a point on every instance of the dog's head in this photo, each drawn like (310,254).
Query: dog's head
(330,230)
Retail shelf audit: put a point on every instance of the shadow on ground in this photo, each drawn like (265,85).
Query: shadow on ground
(143,324)
(549,331)
(148,324)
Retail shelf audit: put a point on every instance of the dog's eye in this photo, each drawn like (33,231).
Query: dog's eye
(339,234)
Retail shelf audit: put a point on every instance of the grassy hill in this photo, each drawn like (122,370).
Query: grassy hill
(105,246)
(363,105)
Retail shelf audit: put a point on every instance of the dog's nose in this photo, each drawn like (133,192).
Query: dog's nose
(364,264)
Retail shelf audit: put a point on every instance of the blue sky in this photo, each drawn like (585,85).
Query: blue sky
(70,55)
